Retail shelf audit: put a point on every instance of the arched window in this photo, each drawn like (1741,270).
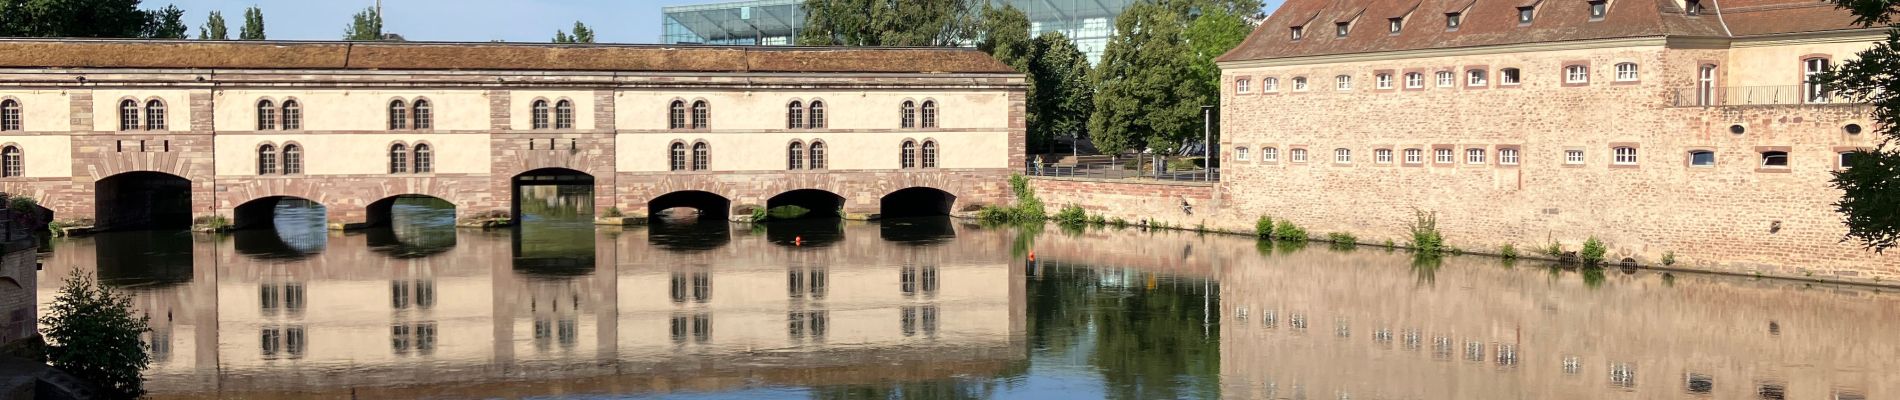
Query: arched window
(293,115)
(795,115)
(266,159)
(398,158)
(425,159)
(128,115)
(930,153)
(1240,153)
(910,115)
(398,115)
(266,115)
(539,115)
(817,155)
(701,156)
(930,114)
(11,164)
(702,115)
(676,115)
(1270,85)
(425,119)
(154,115)
(564,114)
(676,157)
(795,156)
(293,159)
(817,115)
(909,155)
(10,115)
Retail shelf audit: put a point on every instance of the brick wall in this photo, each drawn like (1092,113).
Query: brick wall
(18,285)
(1134,201)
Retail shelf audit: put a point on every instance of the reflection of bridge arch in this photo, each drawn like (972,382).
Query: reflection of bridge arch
(142,200)
(711,206)
(919,201)
(383,212)
(822,203)
(411,225)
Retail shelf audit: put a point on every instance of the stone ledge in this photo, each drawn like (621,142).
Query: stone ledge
(1205,184)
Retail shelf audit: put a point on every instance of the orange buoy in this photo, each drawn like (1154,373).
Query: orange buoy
(1032,255)
(798,240)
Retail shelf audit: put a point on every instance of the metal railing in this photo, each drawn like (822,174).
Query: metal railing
(1750,96)
(1121,171)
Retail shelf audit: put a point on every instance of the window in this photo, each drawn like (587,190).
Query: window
(1243,85)
(1774,159)
(1626,72)
(425,159)
(1702,158)
(154,115)
(1474,77)
(908,157)
(10,162)
(1340,28)
(128,115)
(1576,74)
(1270,85)
(1342,82)
(1451,21)
(293,115)
(293,159)
(1299,155)
(398,115)
(795,115)
(817,115)
(1599,8)
(1443,156)
(1384,81)
(702,115)
(795,156)
(1812,89)
(266,159)
(910,115)
(1269,154)
(1509,76)
(1445,79)
(817,155)
(398,158)
(1414,156)
(564,114)
(266,115)
(676,157)
(1392,25)
(425,119)
(1845,160)
(1414,80)
(539,114)
(1299,84)
(1692,8)
(1507,156)
(1626,156)
(930,114)
(1298,32)
(9,115)
(1382,156)
(1240,153)
(1524,14)
(930,154)
(1705,86)
(1474,156)
(1342,156)
(676,115)
(1573,156)
(701,156)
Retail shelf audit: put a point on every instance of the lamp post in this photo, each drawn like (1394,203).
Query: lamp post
(1207,142)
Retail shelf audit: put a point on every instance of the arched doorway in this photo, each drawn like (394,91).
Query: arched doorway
(916,202)
(280,227)
(690,204)
(411,225)
(142,200)
(814,202)
(553,193)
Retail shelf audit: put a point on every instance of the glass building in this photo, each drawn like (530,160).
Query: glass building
(777,22)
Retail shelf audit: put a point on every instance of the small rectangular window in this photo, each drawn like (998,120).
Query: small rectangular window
(1341,28)
(1692,8)
(1508,76)
(1573,156)
(1507,156)
(1599,8)
(1774,159)
(1474,156)
(1702,158)
(1524,15)
(1414,156)
(1298,32)
(1451,21)
(1243,85)
(1395,24)
(1443,156)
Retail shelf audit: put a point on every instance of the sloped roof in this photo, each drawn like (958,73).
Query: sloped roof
(92,53)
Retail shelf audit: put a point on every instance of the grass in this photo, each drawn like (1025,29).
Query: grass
(1508,251)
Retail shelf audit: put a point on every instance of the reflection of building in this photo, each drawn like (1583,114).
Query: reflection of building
(777,22)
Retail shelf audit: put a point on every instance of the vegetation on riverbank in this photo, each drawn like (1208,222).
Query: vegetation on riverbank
(1028,208)
(91,332)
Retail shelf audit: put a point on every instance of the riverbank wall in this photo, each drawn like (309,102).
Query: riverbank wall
(18,303)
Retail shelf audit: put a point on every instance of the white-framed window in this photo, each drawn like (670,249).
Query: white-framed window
(1299,155)
(1270,154)
(1382,156)
(1243,85)
(1692,8)
(1240,153)
(1443,156)
(1701,158)
(1384,81)
(1507,156)
(1299,83)
(1576,74)
(1475,77)
(1445,79)
(1625,156)
(1342,82)
(1626,72)
(1342,155)
(1270,85)
(1705,86)
(1414,156)
(1573,156)
(1812,89)
(1845,159)
(1474,156)
(1509,76)
(1414,80)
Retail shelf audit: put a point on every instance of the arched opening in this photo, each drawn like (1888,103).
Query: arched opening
(550,194)
(689,205)
(916,202)
(805,203)
(554,221)
(142,200)
(280,227)
(411,225)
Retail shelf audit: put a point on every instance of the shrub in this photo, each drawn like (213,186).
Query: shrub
(1509,251)
(22,203)
(1554,250)
(1342,237)
(1593,251)
(1183,164)
(1287,231)
(1072,215)
(211,222)
(1263,227)
(1388,243)
(613,212)
(1669,258)
(1118,222)
(759,214)
(1425,237)
(91,333)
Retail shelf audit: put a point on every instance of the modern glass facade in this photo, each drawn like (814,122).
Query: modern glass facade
(777,22)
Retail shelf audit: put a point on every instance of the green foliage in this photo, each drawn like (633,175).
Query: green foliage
(22,203)
(1426,239)
(73,18)
(1593,251)
(1005,32)
(613,212)
(1158,70)
(1554,250)
(1028,208)
(1263,227)
(1509,251)
(1062,97)
(787,212)
(253,24)
(1342,240)
(582,34)
(759,214)
(91,332)
(1184,164)
(214,28)
(1389,244)
(365,25)
(165,23)
(936,23)
(1669,258)
(214,222)
(1097,220)
(1118,222)
(1287,231)
(1072,215)
(1870,181)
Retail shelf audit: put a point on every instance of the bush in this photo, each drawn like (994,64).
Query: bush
(1669,258)
(1425,237)
(1342,237)
(22,203)
(1072,215)
(759,214)
(1593,251)
(91,333)
(1554,250)
(214,222)
(1509,251)
(1118,222)
(1263,227)
(1287,231)
(613,212)
(1183,164)
(1098,220)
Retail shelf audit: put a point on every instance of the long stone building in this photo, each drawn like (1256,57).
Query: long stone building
(140,133)
(1684,127)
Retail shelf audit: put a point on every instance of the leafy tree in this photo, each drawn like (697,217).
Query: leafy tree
(91,333)
(366,25)
(213,28)
(253,24)
(166,23)
(1158,71)
(1210,36)
(581,34)
(1870,183)
(940,23)
(72,18)
(1064,97)
(1005,35)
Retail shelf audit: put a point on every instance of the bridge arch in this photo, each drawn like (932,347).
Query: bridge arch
(410,206)
(286,227)
(820,203)
(411,225)
(711,206)
(142,200)
(916,201)
(262,212)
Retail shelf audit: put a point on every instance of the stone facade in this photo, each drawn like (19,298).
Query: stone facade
(19,305)
(1177,204)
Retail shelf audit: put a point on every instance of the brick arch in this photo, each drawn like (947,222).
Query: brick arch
(258,212)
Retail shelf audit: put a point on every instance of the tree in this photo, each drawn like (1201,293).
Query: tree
(1064,98)
(72,18)
(166,23)
(213,28)
(366,25)
(1141,99)
(1870,183)
(91,333)
(1005,33)
(581,34)
(938,23)
(253,24)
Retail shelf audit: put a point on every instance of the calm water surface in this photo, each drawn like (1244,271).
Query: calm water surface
(937,308)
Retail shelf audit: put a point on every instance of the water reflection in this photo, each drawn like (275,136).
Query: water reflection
(419,227)
(298,229)
(555,231)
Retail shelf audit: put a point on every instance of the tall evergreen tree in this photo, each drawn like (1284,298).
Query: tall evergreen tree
(366,25)
(214,29)
(1064,97)
(72,18)
(253,24)
(1870,181)
(166,23)
(941,23)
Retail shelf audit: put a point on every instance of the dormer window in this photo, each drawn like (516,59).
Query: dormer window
(1524,15)
(1340,29)
(1692,8)
(1298,32)
(1451,21)
(1599,8)
(1393,25)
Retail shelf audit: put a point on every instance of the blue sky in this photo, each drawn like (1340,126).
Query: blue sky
(614,21)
